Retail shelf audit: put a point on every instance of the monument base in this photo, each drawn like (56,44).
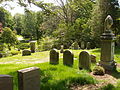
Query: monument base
(108,65)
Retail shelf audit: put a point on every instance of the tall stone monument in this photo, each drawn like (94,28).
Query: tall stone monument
(107,46)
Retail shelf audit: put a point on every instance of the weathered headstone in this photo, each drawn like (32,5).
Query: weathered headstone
(6,82)
(29,79)
(93,58)
(32,46)
(26,52)
(107,46)
(88,45)
(82,45)
(54,57)
(84,60)
(68,58)
(62,49)
(1,55)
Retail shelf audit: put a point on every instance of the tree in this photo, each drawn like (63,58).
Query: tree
(9,37)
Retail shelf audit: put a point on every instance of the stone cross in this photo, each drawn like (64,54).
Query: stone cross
(54,57)
(68,58)
(29,79)
(84,60)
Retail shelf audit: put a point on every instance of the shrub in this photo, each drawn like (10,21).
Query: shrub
(23,46)
(108,87)
(2,47)
(5,53)
(46,43)
(14,52)
(98,70)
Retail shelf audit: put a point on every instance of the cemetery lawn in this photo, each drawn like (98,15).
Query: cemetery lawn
(56,77)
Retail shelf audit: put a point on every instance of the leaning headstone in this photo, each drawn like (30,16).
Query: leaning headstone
(62,49)
(68,58)
(93,58)
(88,45)
(26,52)
(32,46)
(82,45)
(29,79)
(54,57)
(84,60)
(6,82)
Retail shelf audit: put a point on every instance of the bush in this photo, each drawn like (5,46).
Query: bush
(14,52)
(46,43)
(98,70)
(23,46)
(2,47)
(5,53)
(108,87)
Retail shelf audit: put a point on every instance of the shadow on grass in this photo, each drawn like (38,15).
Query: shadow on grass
(96,50)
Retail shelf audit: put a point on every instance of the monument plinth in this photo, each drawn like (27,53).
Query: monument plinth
(107,47)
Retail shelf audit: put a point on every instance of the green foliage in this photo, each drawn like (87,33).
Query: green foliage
(46,43)
(2,47)
(108,87)
(14,52)
(9,37)
(23,46)
(98,70)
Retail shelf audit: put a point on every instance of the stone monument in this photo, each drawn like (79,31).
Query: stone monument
(68,58)
(32,46)
(107,46)
(6,82)
(54,56)
(29,79)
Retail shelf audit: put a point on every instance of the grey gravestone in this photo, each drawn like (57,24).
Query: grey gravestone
(1,55)
(84,60)
(26,52)
(29,79)
(68,58)
(93,58)
(32,46)
(54,57)
(6,82)
(82,45)
(88,45)
(62,49)
(107,46)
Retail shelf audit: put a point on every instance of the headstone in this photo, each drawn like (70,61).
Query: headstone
(1,55)
(6,82)
(29,79)
(62,49)
(68,58)
(107,46)
(26,52)
(84,60)
(32,46)
(88,45)
(54,57)
(82,45)
(93,58)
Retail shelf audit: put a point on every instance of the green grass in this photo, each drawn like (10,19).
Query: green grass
(53,77)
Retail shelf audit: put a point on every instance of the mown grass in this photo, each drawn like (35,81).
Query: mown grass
(53,77)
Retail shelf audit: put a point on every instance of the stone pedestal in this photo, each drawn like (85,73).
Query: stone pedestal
(107,51)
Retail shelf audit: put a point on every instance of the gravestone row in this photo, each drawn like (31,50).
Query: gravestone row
(28,79)
(68,58)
